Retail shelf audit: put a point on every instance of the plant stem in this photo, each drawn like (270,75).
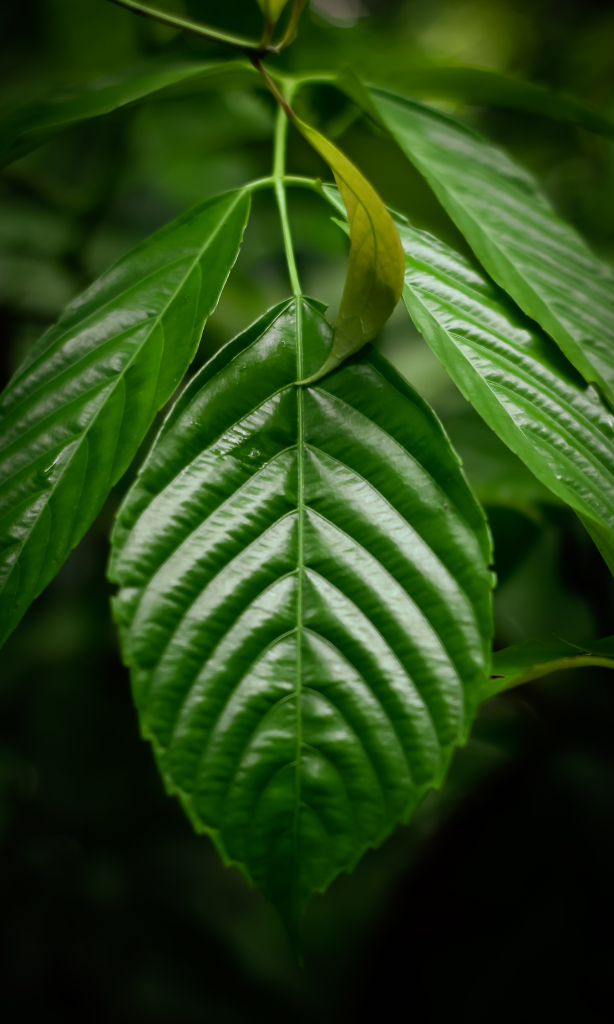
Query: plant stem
(250,46)
(314,184)
(190,25)
(279,171)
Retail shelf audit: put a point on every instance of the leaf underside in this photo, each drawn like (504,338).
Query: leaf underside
(304,604)
(529,251)
(515,377)
(76,411)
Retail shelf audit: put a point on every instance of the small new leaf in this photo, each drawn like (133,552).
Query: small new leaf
(375,270)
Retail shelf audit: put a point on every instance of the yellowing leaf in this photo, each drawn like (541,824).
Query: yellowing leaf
(376,266)
(272,9)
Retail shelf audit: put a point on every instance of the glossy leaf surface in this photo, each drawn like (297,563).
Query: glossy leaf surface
(515,376)
(535,659)
(304,603)
(74,414)
(375,269)
(534,255)
(25,128)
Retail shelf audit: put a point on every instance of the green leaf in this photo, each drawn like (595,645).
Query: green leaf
(534,659)
(534,255)
(514,375)
(375,269)
(74,414)
(304,604)
(484,87)
(25,128)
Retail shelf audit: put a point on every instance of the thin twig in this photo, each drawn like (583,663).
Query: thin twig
(248,46)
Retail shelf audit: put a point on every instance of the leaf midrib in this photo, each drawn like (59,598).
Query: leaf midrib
(300,627)
(300,500)
(301,446)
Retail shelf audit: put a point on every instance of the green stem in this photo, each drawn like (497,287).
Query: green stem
(285,97)
(196,27)
(313,184)
(279,173)
(250,46)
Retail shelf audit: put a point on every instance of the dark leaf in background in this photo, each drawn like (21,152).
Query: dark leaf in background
(486,87)
(25,128)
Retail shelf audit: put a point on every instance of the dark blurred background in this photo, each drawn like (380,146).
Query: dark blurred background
(498,901)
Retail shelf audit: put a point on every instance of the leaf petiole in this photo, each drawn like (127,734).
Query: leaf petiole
(314,184)
(279,171)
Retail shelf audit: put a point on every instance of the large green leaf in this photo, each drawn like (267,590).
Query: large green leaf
(304,603)
(74,414)
(516,378)
(534,255)
(535,658)
(25,128)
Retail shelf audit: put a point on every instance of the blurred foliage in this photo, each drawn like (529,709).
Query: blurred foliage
(111,910)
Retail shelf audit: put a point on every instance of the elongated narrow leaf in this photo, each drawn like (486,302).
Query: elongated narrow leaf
(304,603)
(375,270)
(25,128)
(515,376)
(485,87)
(534,659)
(74,414)
(534,255)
